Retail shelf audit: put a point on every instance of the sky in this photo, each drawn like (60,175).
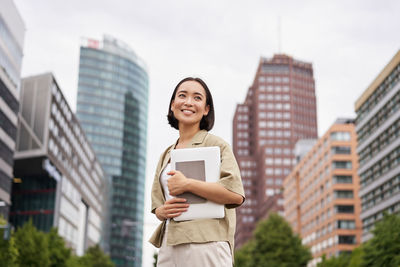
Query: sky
(348,43)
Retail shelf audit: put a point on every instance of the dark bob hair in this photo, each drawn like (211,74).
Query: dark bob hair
(207,122)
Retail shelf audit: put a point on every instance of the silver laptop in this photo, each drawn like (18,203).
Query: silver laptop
(203,164)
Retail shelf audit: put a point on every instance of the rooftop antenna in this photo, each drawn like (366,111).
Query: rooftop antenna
(279,35)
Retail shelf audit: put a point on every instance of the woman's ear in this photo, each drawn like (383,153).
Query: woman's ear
(206,110)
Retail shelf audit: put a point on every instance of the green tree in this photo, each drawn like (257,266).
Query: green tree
(341,261)
(74,261)
(383,249)
(8,250)
(274,245)
(58,252)
(356,257)
(155,257)
(95,257)
(243,255)
(32,246)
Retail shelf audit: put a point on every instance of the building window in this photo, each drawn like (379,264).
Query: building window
(340,136)
(342,150)
(347,239)
(269,161)
(342,165)
(344,194)
(268,151)
(345,224)
(269,171)
(269,192)
(344,209)
(342,179)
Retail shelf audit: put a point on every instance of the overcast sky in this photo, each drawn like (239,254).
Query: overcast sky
(348,43)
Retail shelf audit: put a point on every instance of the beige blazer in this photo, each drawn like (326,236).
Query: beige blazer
(202,230)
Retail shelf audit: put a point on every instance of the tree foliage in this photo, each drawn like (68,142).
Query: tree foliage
(384,247)
(8,250)
(342,260)
(356,257)
(58,252)
(273,244)
(32,246)
(382,250)
(29,247)
(243,256)
(155,258)
(95,257)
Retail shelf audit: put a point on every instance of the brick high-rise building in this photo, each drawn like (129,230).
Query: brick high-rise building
(321,194)
(279,109)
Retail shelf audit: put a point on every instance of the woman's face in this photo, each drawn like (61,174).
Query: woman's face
(189,105)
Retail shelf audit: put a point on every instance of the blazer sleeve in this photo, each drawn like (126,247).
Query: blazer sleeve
(157,198)
(230,173)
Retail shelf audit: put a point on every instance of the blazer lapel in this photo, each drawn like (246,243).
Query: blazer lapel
(198,138)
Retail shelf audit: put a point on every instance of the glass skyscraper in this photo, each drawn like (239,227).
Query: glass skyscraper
(112,108)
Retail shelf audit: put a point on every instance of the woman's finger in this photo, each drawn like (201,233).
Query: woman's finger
(171,211)
(176,206)
(171,172)
(174,200)
(173,215)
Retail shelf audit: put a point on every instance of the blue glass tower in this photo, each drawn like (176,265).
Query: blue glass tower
(112,108)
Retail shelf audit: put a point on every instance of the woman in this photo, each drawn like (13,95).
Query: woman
(205,242)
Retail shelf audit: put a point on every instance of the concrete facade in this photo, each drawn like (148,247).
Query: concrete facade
(12,32)
(58,179)
(378,130)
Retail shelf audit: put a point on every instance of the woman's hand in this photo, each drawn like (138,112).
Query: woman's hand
(172,208)
(177,183)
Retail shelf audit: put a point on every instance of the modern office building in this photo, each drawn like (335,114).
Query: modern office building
(112,108)
(12,32)
(378,130)
(279,109)
(58,182)
(321,194)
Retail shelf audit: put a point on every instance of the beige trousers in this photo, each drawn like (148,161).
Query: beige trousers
(210,254)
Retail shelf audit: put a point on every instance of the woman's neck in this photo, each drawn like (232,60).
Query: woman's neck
(186,134)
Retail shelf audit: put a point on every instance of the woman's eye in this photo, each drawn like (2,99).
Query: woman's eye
(197,97)
(181,95)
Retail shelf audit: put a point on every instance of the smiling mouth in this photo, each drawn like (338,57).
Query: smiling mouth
(187,111)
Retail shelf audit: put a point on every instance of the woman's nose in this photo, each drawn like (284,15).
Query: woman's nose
(188,101)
